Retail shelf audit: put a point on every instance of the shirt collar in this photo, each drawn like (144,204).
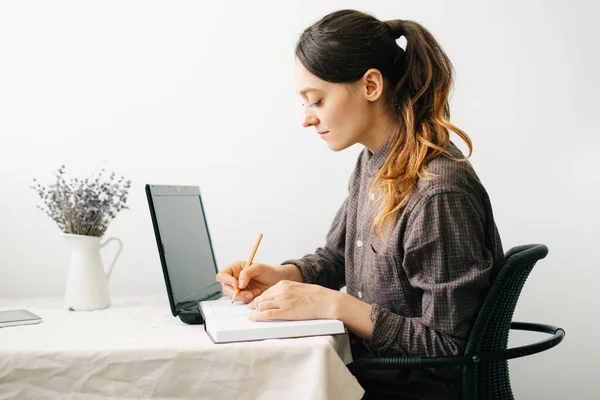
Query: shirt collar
(376,160)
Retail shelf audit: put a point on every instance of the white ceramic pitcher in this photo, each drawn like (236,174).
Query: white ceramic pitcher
(87,283)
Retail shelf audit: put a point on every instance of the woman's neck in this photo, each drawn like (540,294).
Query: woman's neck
(383,127)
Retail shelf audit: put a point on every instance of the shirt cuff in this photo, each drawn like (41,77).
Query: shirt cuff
(308,270)
(385,329)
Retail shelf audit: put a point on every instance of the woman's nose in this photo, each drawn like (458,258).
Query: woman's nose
(309,120)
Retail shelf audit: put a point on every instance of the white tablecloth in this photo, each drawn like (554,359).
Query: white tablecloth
(137,349)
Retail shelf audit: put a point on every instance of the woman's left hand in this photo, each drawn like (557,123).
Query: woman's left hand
(288,300)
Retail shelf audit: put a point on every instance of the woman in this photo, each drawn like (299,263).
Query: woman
(415,240)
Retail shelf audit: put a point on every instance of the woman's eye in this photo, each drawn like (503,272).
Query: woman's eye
(316,104)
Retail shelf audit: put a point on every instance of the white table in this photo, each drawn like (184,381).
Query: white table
(137,349)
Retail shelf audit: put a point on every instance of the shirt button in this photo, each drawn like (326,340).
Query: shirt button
(360,295)
(372,196)
(359,243)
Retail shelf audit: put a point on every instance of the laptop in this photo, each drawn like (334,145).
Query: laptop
(184,247)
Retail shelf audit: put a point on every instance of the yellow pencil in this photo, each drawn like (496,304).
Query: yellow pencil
(248,263)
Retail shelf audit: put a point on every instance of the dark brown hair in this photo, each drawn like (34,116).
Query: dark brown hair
(345,44)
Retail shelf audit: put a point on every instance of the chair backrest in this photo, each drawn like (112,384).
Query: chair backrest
(492,325)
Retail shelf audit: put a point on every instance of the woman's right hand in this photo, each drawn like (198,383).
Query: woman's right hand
(252,281)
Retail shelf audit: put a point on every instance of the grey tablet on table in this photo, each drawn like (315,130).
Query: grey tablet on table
(18,317)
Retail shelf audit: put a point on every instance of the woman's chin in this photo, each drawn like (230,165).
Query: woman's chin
(337,146)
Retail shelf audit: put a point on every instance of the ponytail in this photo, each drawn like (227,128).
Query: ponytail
(420,106)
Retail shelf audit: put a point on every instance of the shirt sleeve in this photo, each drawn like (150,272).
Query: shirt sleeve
(445,256)
(326,266)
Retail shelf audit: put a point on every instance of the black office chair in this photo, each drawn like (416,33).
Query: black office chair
(484,366)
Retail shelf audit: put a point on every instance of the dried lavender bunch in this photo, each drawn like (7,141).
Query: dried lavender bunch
(83,207)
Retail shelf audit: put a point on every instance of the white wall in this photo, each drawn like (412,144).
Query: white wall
(202,93)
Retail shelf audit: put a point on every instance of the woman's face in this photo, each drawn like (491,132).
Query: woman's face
(342,114)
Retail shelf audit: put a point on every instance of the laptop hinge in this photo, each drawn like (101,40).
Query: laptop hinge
(186,305)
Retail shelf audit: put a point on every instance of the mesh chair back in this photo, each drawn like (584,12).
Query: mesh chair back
(492,325)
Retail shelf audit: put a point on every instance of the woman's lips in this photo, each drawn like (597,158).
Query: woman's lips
(322,133)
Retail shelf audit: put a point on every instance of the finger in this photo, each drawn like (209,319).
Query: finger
(267,305)
(244,295)
(268,315)
(268,295)
(236,268)
(241,295)
(228,290)
(227,279)
(248,273)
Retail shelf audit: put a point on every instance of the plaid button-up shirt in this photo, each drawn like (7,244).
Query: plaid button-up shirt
(427,281)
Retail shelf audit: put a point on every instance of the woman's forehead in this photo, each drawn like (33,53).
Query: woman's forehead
(307,82)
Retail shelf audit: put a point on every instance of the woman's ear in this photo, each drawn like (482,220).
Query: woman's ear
(372,84)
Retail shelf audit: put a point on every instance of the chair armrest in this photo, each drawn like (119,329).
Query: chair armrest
(415,362)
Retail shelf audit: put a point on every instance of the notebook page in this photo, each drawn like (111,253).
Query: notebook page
(224,308)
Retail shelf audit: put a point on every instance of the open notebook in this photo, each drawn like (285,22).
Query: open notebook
(228,322)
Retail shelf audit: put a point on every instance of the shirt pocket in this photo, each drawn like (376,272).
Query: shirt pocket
(387,283)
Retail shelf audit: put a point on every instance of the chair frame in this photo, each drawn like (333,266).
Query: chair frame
(493,319)
(412,362)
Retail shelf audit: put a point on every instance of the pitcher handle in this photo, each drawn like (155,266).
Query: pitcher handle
(112,264)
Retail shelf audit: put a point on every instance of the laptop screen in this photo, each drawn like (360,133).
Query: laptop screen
(187,255)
